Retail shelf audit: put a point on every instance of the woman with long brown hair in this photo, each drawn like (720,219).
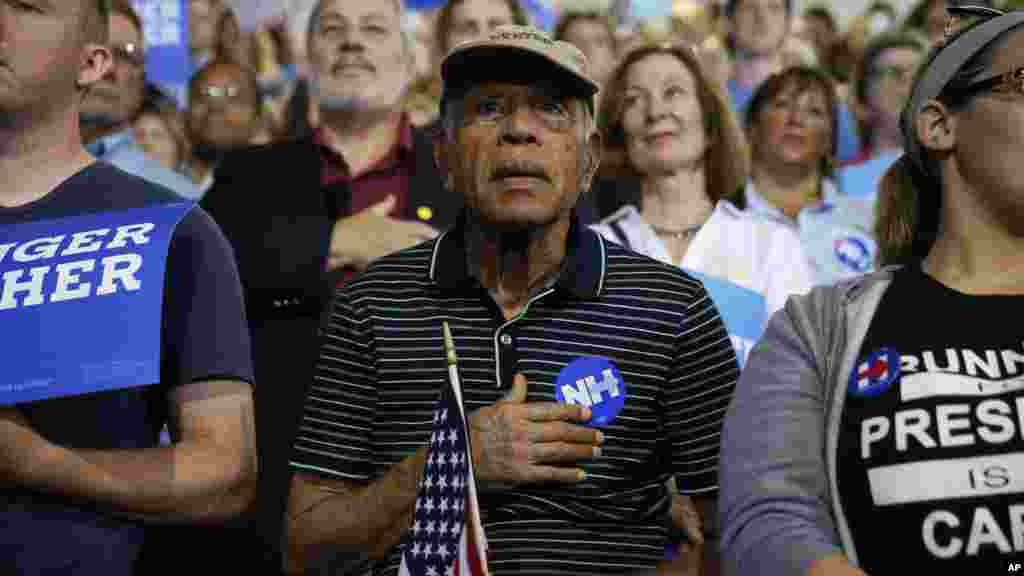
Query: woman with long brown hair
(673,131)
(886,413)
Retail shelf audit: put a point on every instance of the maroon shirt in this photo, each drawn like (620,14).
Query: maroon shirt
(390,175)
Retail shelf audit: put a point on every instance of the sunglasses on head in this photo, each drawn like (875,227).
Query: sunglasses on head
(1011,82)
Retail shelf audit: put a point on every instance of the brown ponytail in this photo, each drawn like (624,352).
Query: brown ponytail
(907,214)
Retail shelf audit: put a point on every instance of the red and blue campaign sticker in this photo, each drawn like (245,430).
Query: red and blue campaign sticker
(596,383)
(875,374)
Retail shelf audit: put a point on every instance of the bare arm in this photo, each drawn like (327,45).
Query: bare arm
(835,565)
(208,475)
(512,442)
(335,513)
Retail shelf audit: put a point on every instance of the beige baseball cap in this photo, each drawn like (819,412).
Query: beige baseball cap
(515,52)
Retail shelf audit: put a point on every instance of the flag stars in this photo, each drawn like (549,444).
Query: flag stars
(438,522)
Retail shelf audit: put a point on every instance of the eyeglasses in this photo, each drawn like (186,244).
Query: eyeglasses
(217,92)
(1009,82)
(130,53)
(894,72)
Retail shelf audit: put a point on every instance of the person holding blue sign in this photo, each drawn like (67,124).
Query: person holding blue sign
(591,374)
(122,313)
(111,106)
(885,413)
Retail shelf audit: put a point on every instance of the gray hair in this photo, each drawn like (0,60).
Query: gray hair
(399,5)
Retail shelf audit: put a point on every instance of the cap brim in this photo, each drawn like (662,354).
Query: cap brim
(488,62)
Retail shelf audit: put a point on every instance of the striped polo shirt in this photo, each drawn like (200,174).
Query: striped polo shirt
(382,365)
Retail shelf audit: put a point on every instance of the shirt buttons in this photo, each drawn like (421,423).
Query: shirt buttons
(506,340)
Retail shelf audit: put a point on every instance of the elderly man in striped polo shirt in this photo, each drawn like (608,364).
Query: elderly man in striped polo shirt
(591,375)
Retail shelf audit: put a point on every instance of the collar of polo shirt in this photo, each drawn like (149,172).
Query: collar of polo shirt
(581,274)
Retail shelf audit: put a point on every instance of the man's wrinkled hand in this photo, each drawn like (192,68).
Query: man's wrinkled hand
(686,517)
(365,236)
(519,442)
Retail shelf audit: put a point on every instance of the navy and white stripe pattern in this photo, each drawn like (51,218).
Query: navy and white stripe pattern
(382,366)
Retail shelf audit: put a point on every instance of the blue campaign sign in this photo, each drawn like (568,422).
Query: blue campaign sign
(651,9)
(596,383)
(417,5)
(542,14)
(81,302)
(168,60)
(743,311)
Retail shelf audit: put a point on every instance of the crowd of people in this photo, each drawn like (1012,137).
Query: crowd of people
(740,219)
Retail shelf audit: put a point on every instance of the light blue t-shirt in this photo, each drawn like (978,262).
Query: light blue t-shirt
(861,180)
(120,150)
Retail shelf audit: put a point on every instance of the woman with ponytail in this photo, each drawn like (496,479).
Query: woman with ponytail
(886,413)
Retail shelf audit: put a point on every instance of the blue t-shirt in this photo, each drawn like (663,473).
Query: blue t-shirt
(203,336)
(861,180)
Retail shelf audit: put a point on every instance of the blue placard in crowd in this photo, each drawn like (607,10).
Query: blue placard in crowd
(743,311)
(417,5)
(81,302)
(651,9)
(541,13)
(165,29)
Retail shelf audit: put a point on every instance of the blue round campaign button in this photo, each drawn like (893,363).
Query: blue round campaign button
(873,375)
(593,382)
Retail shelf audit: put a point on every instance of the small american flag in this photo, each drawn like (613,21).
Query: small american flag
(447,538)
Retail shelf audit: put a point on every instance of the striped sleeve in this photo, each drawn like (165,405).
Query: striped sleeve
(334,435)
(701,383)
